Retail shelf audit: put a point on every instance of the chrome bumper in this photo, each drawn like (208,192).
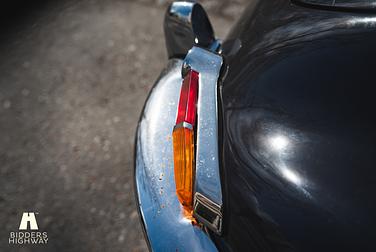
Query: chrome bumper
(165,227)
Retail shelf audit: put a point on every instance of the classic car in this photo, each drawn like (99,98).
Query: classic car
(264,141)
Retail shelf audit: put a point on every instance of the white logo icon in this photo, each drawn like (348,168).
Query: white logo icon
(28,218)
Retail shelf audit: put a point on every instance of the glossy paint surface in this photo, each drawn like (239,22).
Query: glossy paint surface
(299,140)
(344,4)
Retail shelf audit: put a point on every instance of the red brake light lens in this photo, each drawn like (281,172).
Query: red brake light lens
(188,99)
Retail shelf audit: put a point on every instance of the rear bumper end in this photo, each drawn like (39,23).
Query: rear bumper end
(165,227)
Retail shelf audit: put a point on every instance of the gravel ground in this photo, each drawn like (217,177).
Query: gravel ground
(73,79)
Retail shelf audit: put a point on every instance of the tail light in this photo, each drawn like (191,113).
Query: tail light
(184,139)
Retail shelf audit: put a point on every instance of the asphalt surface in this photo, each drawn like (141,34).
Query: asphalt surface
(74,76)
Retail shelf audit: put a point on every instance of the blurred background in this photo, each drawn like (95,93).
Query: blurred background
(74,76)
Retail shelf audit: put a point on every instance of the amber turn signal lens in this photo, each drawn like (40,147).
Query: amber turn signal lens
(183,141)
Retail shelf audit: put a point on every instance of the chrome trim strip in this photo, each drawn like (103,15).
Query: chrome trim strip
(208,181)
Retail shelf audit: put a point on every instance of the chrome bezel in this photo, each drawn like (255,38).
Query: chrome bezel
(183,125)
(207,179)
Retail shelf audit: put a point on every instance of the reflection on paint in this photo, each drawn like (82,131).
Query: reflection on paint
(367,20)
(281,144)
(278,143)
(291,176)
